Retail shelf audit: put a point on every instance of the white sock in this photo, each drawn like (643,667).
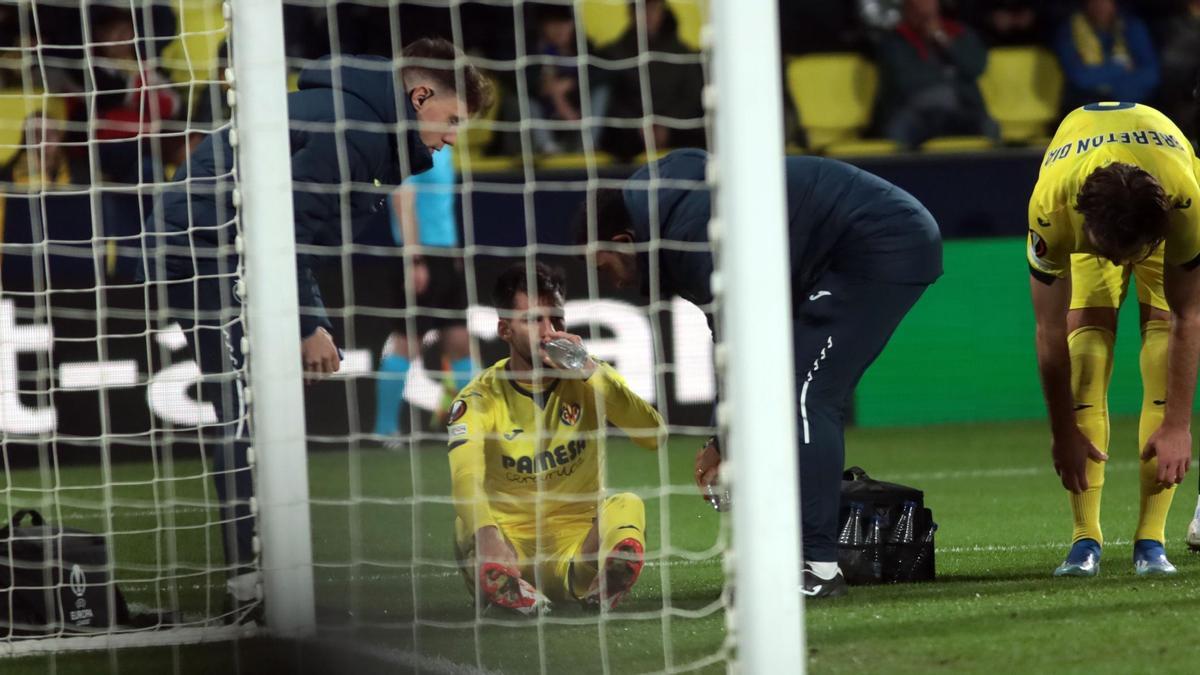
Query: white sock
(823,570)
(244,587)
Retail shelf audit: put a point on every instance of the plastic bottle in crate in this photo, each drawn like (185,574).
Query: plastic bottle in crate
(852,529)
(902,532)
(923,548)
(874,545)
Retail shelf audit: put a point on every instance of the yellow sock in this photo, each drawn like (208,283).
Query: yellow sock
(622,516)
(1091,367)
(1156,500)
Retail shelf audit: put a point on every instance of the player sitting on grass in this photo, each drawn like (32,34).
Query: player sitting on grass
(526,455)
(1117,197)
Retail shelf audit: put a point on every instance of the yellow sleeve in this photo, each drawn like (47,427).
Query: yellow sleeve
(471,420)
(1183,237)
(1049,244)
(624,408)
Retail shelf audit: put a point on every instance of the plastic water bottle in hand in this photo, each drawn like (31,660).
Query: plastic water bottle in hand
(565,354)
(718,496)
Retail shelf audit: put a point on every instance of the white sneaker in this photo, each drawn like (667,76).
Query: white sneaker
(1193,535)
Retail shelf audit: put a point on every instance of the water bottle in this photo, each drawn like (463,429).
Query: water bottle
(874,544)
(852,529)
(718,496)
(926,546)
(902,532)
(565,354)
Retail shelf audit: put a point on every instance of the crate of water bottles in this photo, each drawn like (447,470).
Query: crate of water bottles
(886,533)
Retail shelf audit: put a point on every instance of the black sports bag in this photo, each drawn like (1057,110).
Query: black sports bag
(55,579)
(886,534)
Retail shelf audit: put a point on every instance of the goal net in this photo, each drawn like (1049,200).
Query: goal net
(152,416)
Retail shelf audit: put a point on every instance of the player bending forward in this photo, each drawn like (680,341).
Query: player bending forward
(1117,196)
(526,456)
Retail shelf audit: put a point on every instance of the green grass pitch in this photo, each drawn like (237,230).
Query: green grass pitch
(1004,526)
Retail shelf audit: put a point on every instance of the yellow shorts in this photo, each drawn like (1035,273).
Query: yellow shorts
(546,563)
(1096,282)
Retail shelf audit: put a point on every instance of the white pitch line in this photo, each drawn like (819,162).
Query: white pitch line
(1016,548)
(1004,472)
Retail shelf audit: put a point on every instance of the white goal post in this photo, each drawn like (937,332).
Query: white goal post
(758,407)
(279,444)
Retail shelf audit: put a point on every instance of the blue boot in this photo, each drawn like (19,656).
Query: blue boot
(1149,559)
(1082,561)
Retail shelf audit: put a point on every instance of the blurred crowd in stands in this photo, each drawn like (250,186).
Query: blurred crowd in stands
(930,54)
(109,69)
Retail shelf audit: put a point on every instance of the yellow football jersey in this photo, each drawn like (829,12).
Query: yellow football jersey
(1094,136)
(508,444)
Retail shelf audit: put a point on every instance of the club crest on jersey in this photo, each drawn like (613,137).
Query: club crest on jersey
(569,413)
(457,411)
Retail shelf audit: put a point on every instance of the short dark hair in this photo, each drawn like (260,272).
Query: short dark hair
(612,217)
(550,281)
(478,94)
(1125,211)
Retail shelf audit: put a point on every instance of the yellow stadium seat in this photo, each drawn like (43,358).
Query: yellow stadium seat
(647,157)
(464,162)
(15,107)
(834,95)
(691,15)
(1022,87)
(869,147)
(958,144)
(574,160)
(606,20)
(193,55)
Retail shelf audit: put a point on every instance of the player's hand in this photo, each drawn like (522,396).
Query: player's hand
(490,546)
(589,366)
(420,276)
(319,355)
(1071,455)
(708,466)
(1173,447)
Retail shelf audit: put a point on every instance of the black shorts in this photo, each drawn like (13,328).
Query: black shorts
(444,302)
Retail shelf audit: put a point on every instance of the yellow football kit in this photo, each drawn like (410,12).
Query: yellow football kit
(1089,138)
(531,463)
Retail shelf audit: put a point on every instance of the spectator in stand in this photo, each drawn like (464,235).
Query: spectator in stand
(928,67)
(133,98)
(553,82)
(1180,68)
(1106,54)
(675,88)
(42,165)
(1006,22)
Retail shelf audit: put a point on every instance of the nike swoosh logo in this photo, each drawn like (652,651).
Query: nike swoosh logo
(818,295)
(1184,203)
(1043,223)
(513,434)
(635,528)
(1082,406)
(815,589)
(1162,402)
